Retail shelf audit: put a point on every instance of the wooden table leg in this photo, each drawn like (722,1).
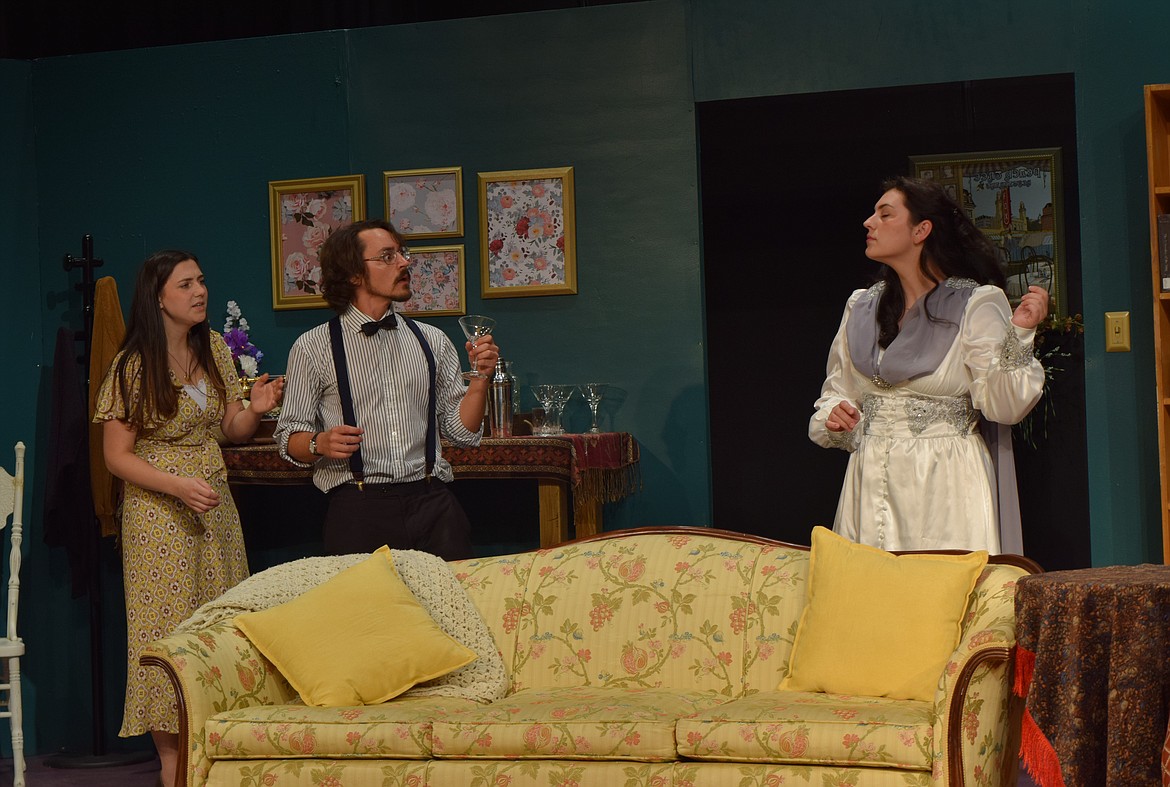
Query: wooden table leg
(587,518)
(554,512)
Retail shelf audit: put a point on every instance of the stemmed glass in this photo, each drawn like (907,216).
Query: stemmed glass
(561,396)
(547,398)
(475,326)
(593,393)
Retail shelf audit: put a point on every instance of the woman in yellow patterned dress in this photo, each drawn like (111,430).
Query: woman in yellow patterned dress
(171,383)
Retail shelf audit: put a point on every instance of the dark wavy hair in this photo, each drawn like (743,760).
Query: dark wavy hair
(341,261)
(955,247)
(146,339)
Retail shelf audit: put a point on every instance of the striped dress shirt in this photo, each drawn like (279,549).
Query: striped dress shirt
(389,380)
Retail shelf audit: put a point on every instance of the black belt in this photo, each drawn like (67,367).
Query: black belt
(405,488)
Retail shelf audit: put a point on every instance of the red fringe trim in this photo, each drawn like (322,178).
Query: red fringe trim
(1038,755)
(1025,665)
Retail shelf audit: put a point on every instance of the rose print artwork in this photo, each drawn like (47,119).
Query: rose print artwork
(307,219)
(304,214)
(425,203)
(436,282)
(529,229)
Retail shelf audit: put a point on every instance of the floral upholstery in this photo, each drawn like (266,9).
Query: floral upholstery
(545,773)
(646,658)
(399,729)
(793,727)
(497,588)
(643,611)
(217,669)
(986,711)
(767,612)
(548,773)
(584,722)
(321,773)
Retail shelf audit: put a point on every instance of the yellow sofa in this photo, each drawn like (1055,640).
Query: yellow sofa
(639,657)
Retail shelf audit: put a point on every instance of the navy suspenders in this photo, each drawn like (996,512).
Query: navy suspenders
(340,366)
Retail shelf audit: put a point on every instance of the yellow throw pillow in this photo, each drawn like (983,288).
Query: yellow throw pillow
(877,624)
(358,639)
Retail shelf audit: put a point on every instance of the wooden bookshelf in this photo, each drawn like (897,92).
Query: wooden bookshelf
(1158,164)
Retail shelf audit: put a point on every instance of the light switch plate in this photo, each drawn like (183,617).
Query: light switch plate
(1116,332)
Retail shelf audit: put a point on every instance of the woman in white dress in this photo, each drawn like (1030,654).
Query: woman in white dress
(923,359)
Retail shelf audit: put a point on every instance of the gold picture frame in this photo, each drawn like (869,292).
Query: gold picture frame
(438,282)
(528,233)
(425,203)
(302,213)
(1015,197)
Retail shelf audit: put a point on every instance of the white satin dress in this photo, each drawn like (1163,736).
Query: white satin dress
(920,475)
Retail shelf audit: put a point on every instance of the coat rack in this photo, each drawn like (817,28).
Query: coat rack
(87,262)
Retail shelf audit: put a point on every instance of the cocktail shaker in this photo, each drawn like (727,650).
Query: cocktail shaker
(500,401)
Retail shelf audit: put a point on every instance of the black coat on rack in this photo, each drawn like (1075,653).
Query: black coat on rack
(91,533)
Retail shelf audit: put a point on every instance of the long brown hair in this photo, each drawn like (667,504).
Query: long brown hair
(955,245)
(146,339)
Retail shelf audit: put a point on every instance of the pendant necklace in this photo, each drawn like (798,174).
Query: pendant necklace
(188,368)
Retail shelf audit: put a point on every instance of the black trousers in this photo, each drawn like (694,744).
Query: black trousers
(415,515)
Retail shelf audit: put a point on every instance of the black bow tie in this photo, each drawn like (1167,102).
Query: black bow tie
(387,323)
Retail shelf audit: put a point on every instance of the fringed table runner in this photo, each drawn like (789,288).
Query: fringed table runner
(260,462)
(1093,666)
(599,468)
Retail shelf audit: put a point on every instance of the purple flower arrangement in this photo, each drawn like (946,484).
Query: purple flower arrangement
(235,333)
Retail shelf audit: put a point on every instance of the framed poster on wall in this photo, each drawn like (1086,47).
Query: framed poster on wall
(1014,197)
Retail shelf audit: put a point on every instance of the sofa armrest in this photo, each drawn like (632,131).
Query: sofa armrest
(212,670)
(976,718)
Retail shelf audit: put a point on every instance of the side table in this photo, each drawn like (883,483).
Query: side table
(1093,667)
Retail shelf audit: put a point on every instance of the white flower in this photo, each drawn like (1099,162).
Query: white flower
(440,208)
(402,196)
(248,364)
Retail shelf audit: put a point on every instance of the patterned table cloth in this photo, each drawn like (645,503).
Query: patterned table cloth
(1093,665)
(599,468)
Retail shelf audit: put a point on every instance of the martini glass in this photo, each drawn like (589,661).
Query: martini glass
(593,393)
(475,326)
(547,398)
(561,396)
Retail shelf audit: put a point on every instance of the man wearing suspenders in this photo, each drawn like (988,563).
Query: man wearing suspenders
(367,396)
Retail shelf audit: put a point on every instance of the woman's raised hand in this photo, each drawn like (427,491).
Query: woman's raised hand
(1033,308)
(267,393)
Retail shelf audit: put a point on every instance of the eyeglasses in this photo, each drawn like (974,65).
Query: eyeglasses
(388,255)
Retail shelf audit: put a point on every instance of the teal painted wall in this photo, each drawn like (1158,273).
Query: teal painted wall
(764,48)
(20,337)
(184,140)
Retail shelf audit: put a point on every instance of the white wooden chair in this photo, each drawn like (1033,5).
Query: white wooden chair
(11,645)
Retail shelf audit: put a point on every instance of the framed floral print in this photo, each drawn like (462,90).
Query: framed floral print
(437,282)
(1015,198)
(303,213)
(527,233)
(425,203)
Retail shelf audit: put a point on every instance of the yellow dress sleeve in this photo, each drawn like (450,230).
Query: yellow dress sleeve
(227,367)
(110,404)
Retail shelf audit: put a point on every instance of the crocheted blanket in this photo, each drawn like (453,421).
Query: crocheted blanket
(428,577)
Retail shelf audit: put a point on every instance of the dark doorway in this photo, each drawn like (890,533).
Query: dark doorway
(786,182)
